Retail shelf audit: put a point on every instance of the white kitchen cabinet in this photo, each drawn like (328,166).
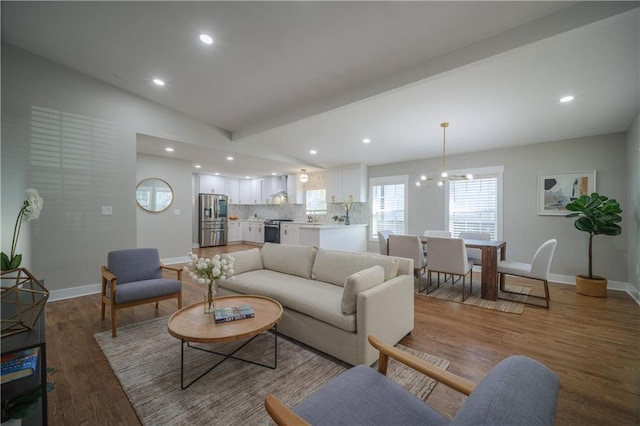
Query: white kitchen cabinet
(233,191)
(249,231)
(335,237)
(211,184)
(244,191)
(289,233)
(345,182)
(259,236)
(235,231)
(256,192)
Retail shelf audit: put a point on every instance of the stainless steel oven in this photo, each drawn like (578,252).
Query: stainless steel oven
(272,230)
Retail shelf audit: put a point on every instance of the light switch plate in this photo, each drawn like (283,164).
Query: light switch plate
(107,210)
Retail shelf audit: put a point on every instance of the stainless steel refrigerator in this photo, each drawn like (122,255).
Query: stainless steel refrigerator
(213,226)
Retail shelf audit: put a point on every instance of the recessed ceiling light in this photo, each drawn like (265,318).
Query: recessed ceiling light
(247,177)
(313,151)
(206,39)
(366,140)
(273,174)
(230,158)
(217,174)
(169,149)
(197,166)
(158,82)
(566,99)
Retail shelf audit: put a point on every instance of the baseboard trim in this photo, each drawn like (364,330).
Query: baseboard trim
(70,293)
(85,290)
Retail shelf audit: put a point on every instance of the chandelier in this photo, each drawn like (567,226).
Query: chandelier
(444,176)
(304,177)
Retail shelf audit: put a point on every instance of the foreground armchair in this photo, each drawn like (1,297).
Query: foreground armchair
(518,391)
(134,277)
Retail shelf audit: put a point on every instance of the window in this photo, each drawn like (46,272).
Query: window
(476,205)
(317,201)
(388,204)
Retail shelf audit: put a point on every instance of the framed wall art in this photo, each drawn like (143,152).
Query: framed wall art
(556,190)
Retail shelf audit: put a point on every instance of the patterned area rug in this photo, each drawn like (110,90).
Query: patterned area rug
(146,361)
(453,293)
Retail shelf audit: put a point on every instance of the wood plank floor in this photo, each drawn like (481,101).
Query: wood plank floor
(592,344)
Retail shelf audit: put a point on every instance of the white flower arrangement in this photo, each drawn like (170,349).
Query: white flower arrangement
(31,208)
(205,270)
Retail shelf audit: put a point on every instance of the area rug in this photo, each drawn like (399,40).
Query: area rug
(146,361)
(453,293)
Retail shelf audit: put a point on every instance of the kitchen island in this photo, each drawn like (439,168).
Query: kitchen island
(334,236)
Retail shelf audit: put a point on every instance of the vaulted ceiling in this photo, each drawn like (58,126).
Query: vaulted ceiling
(284,78)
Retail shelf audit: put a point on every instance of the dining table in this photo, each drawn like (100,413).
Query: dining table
(489,278)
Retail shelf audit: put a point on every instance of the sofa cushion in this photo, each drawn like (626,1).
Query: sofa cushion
(245,261)
(319,300)
(360,281)
(289,259)
(334,267)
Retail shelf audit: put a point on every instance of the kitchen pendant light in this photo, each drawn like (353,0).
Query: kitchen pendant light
(444,176)
(304,177)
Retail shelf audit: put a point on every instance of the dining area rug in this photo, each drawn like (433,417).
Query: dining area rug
(146,361)
(453,293)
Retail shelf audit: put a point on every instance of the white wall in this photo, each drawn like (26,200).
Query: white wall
(632,213)
(524,230)
(168,231)
(69,242)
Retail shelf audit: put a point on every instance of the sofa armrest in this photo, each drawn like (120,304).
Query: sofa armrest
(385,311)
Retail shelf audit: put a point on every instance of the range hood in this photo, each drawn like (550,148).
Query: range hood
(280,196)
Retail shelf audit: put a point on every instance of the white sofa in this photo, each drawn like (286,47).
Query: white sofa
(332,299)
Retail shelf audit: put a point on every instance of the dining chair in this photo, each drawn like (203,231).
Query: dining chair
(538,270)
(474,254)
(383,236)
(408,246)
(449,256)
(439,234)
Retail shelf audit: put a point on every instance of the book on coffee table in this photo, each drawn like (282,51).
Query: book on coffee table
(233,313)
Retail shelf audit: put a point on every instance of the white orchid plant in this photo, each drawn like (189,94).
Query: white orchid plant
(206,270)
(31,208)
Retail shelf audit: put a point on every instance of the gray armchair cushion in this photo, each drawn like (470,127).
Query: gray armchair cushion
(134,264)
(139,290)
(362,396)
(518,391)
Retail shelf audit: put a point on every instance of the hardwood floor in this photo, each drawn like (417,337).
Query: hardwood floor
(592,344)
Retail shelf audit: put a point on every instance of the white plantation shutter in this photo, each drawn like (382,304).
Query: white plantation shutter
(475,205)
(388,205)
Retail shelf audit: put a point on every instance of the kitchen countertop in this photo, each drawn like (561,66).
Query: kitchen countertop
(307,225)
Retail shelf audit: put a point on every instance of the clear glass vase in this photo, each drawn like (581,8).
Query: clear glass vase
(209,297)
(346,219)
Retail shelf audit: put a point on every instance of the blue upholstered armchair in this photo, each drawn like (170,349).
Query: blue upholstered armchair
(518,391)
(133,277)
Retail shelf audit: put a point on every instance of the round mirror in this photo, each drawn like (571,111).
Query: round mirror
(154,195)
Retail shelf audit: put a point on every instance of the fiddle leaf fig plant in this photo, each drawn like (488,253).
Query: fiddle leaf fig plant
(596,215)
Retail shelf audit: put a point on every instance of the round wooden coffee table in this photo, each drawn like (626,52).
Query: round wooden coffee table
(191,325)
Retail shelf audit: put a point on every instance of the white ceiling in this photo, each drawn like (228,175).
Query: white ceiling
(286,77)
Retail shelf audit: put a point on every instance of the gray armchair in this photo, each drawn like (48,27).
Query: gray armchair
(134,277)
(518,391)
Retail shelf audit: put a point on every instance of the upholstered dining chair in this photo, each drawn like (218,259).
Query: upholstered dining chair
(134,277)
(517,391)
(449,256)
(383,236)
(408,246)
(537,270)
(474,254)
